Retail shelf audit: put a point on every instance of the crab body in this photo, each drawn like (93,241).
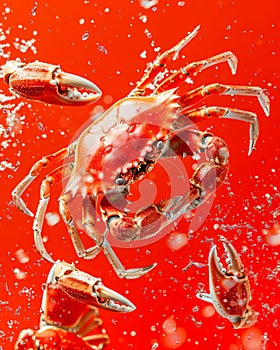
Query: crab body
(119,149)
(122,138)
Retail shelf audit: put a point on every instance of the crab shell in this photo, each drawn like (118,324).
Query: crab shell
(129,135)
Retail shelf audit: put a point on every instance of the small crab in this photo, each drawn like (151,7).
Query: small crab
(125,144)
(229,288)
(70,318)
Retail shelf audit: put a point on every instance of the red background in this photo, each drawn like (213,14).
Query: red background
(243,207)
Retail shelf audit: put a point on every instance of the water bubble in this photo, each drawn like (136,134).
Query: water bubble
(252,339)
(143,54)
(272,236)
(22,256)
(177,240)
(148,3)
(34,9)
(174,336)
(143,18)
(102,49)
(52,219)
(20,275)
(169,325)
(41,126)
(24,45)
(208,311)
(85,36)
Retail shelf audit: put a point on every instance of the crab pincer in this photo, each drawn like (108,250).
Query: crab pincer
(229,288)
(47,83)
(87,289)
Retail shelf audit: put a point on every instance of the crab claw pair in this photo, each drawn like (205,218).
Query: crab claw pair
(229,288)
(48,83)
(87,289)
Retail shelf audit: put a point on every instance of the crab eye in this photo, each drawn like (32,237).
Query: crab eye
(159,145)
(120,180)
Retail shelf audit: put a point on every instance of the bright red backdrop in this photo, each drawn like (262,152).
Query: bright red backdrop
(104,41)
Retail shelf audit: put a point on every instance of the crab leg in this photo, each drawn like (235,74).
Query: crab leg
(66,215)
(118,267)
(36,169)
(203,92)
(160,63)
(89,321)
(228,113)
(89,221)
(54,177)
(181,75)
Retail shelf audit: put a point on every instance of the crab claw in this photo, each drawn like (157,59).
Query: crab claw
(48,83)
(229,288)
(88,289)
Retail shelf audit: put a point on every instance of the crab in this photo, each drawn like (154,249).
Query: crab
(229,288)
(124,145)
(70,318)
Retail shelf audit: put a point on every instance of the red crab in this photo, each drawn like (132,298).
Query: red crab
(122,146)
(70,319)
(229,288)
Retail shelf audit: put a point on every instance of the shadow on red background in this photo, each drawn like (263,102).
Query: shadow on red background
(106,42)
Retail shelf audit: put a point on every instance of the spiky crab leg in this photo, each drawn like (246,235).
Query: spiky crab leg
(229,288)
(47,83)
(160,63)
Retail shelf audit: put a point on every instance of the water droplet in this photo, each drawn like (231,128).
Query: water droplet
(102,49)
(85,36)
(22,256)
(52,219)
(148,3)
